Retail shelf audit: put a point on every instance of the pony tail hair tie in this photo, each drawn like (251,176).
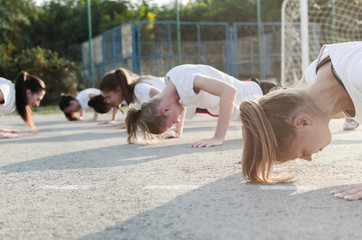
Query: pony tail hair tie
(25,76)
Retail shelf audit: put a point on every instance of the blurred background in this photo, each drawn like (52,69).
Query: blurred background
(71,44)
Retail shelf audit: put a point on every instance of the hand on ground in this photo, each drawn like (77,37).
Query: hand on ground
(170,134)
(350,193)
(91,120)
(8,130)
(121,125)
(8,135)
(208,142)
(107,122)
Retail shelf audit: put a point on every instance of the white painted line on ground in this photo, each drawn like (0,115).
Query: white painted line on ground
(276,187)
(65,187)
(171,187)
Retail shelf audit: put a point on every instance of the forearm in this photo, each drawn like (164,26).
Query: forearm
(180,124)
(226,108)
(95,116)
(81,114)
(114,114)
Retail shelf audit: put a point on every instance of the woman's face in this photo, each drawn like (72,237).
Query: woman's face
(73,107)
(173,113)
(34,99)
(114,98)
(308,141)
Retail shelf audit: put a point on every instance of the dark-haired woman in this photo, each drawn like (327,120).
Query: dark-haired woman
(27,92)
(71,105)
(119,86)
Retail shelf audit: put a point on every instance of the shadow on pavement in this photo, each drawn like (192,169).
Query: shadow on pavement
(65,138)
(232,209)
(112,156)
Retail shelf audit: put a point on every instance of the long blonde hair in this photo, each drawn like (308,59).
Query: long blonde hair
(267,131)
(146,118)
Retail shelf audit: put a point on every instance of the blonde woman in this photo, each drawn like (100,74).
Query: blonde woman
(309,78)
(290,124)
(200,86)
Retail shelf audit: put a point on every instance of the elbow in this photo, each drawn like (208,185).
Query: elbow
(230,93)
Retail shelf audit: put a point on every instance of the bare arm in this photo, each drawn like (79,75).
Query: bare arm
(179,128)
(227,93)
(95,116)
(114,114)
(81,114)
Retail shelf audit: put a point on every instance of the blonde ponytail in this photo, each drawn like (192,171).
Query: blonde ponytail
(268,131)
(145,118)
(260,146)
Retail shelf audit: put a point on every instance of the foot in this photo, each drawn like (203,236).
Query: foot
(350,124)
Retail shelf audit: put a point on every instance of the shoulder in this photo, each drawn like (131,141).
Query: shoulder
(4,81)
(6,85)
(91,90)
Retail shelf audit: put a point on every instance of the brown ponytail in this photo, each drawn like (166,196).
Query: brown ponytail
(118,78)
(268,131)
(145,118)
(24,81)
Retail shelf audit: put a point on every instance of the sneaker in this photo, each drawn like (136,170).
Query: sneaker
(350,124)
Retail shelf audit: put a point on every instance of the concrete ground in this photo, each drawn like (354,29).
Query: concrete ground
(77,180)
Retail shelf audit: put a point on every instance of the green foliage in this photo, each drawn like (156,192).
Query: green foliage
(62,25)
(224,11)
(15,19)
(58,74)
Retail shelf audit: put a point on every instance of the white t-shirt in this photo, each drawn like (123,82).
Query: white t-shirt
(183,77)
(8,90)
(83,97)
(310,74)
(347,62)
(143,88)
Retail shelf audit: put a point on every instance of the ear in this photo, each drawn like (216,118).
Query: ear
(303,121)
(118,89)
(165,109)
(28,93)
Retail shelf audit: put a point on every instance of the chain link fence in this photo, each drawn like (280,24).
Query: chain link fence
(152,48)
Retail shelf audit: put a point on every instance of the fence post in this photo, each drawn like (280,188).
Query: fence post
(89,18)
(178,33)
(259,38)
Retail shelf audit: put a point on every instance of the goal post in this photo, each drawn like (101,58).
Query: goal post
(309,24)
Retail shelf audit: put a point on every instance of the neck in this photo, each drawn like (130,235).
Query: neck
(328,94)
(169,95)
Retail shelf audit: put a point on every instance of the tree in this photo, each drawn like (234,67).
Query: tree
(62,26)
(15,17)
